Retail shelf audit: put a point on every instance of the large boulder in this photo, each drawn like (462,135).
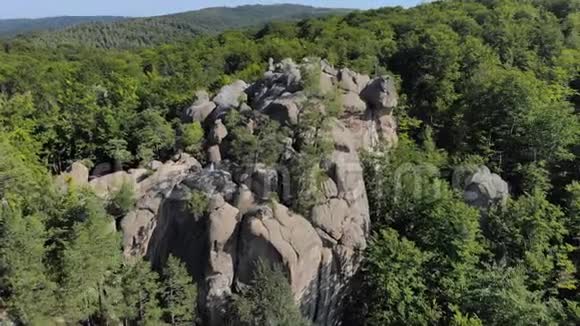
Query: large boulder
(218,133)
(483,188)
(212,182)
(262,181)
(222,242)
(286,108)
(277,236)
(381,93)
(243,223)
(200,110)
(231,96)
(107,185)
(351,81)
(285,78)
(78,174)
(139,224)
(102,169)
(214,154)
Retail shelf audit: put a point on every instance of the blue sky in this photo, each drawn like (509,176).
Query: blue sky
(48,8)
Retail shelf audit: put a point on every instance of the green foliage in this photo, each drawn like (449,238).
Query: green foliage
(179,294)
(122,201)
(482,82)
(24,278)
(498,296)
(154,135)
(398,288)
(192,137)
(198,203)
(20,175)
(140,288)
(530,231)
(118,32)
(117,150)
(88,258)
(269,301)
(254,138)
(429,246)
(512,120)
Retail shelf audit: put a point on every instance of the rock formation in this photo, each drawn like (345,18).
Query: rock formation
(241,224)
(483,188)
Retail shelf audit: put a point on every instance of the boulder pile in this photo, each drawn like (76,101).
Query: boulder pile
(319,252)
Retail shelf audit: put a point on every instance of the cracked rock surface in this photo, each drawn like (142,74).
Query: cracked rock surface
(319,253)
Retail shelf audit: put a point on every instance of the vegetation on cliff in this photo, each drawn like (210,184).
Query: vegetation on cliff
(491,82)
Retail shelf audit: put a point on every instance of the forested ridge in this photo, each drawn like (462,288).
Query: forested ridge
(13,27)
(482,82)
(149,31)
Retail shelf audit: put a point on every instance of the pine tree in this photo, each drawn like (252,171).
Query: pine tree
(27,290)
(269,301)
(87,260)
(140,287)
(179,294)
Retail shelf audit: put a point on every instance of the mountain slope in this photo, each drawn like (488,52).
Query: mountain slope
(13,27)
(139,32)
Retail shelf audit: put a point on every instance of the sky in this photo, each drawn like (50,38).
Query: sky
(49,8)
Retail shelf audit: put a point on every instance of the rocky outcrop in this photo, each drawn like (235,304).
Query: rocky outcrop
(223,221)
(231,96)
(102,169)
(381,93)
(247,217)
(482,188)
(200,110)
(217,133)
(76,175)
(278,236)
(367,104)
(152,192)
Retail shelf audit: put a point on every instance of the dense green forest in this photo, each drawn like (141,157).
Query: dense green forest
(140,32)
(13,27)
(492,82)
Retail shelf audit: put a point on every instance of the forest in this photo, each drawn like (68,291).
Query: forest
(484,82)
(127,33)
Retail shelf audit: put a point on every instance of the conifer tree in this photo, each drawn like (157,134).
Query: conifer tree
(269,301)
(27,290)
(90,255)
(179,294)
(140,288)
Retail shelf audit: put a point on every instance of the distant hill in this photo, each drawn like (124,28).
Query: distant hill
(138,32)
(13,27)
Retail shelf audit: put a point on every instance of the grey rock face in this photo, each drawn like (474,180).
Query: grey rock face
(320,252)
(200,109)
(107,185)
(138,225)
(154,165)
(286,78)
(278,236)
(101,169)
(351,81)
(78,173)
(231,96)
(219,275)
(212,182)
(483,188)
(381,93)
(214,154)
(261,180)
(286,108)
(217,133)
